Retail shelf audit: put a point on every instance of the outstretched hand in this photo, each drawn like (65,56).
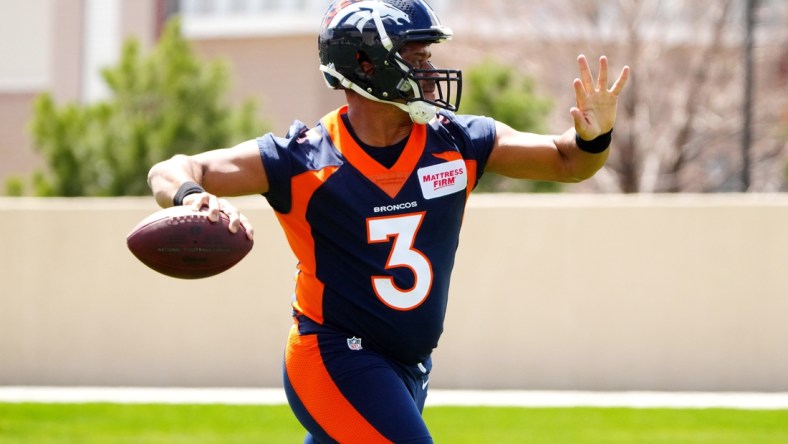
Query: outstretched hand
(595,113)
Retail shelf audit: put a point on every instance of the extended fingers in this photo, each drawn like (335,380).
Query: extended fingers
(602,81)
(585,73)
(621,82)
(580,93)
(585,84)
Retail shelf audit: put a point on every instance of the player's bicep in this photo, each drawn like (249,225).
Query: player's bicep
(235,171)
(526,156)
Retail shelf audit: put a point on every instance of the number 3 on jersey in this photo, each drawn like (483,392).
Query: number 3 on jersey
(403,229)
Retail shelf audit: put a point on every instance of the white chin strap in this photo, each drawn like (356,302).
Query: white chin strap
(420,112)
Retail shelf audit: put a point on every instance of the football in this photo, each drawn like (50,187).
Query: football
(183,243)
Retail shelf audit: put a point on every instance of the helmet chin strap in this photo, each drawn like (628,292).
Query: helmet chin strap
(420,112)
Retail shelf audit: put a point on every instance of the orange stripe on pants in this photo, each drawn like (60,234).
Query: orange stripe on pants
(320,395)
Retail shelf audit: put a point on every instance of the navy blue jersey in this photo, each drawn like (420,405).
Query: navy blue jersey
(376,245)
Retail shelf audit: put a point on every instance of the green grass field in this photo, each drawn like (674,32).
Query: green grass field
(204,424)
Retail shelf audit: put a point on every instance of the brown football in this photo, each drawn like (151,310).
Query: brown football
(183,243)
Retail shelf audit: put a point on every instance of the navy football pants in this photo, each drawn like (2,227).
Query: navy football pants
(344,394)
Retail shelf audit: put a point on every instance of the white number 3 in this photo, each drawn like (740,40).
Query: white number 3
(403,229)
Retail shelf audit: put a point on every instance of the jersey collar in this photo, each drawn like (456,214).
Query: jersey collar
(389,180)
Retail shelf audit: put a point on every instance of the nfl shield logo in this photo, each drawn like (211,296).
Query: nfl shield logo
(354,343)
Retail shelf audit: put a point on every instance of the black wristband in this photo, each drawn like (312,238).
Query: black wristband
(186,189)
(595,146)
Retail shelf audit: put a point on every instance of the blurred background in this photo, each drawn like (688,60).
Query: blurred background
(706,110)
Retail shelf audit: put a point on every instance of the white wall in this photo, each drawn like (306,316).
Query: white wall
(25,45)
(102,43)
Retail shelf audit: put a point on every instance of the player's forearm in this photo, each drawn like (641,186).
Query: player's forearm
(167,176)
(580,165)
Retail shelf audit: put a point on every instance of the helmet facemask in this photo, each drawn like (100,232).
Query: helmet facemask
(447,82)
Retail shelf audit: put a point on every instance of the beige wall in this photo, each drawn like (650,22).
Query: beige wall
(550,292)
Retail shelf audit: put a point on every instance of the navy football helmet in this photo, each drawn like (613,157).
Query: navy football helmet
(375,30)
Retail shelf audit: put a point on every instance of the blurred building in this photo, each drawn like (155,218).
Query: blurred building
(59,46)
(271,46)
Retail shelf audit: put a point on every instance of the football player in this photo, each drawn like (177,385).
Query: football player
(371,200)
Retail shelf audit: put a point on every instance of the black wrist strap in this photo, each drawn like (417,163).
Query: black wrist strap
(186,189)
(595,146)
